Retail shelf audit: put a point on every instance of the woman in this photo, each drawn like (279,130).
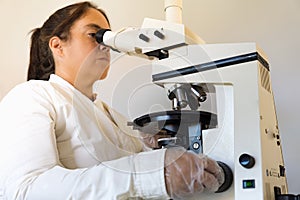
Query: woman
(58,142)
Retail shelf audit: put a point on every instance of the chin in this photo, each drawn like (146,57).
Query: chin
(104,75)
(102,78)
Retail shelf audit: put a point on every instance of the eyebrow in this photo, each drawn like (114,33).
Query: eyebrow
(92,25)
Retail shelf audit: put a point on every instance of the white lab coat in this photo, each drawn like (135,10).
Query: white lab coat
(57,144)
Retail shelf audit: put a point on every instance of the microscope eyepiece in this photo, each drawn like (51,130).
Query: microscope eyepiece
(100,34)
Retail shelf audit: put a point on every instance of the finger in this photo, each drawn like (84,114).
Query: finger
(198,186)
(209,182)
(212,167)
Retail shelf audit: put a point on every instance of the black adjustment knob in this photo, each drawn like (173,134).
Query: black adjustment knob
(247,161)
(287,197)
(144,37)
(228,177)
(159,34)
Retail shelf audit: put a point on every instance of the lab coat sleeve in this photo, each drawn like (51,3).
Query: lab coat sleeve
(118,179)
(30,167)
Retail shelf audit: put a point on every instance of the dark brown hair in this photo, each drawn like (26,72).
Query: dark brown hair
(41,63)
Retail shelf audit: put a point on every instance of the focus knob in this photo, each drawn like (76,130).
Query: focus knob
(228,175)
(247,160)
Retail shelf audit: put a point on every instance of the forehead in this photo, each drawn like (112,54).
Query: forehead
(91,19)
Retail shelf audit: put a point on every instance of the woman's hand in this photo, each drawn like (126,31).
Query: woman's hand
(151,140)
(187,173)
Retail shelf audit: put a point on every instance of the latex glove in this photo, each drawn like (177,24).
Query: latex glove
(187,173)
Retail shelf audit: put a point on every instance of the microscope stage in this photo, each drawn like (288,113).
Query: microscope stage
(170,122)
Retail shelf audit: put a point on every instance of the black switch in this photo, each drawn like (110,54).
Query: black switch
(247,161)
(281,170)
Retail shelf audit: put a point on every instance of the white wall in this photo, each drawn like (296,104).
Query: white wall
(273,24)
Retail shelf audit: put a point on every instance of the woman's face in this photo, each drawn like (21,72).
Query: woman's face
(83,58)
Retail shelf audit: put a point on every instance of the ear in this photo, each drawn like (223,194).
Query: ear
(55,44)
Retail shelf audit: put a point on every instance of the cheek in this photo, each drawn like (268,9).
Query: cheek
(83,49)
(78,55)
(85,56)
(95,63)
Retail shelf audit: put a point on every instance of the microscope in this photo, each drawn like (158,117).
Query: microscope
(222,104)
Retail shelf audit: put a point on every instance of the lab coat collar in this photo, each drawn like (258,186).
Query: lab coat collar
(62,82)
(59,80)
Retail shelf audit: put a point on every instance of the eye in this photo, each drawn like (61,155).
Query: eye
(92,35)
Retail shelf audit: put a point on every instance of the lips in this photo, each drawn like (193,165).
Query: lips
(104,59)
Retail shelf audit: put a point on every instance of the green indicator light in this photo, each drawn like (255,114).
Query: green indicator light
(248,184)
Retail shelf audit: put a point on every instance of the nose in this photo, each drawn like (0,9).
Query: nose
(103,48)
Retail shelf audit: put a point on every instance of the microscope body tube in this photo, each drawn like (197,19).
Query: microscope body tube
(173,11)
(121,41)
